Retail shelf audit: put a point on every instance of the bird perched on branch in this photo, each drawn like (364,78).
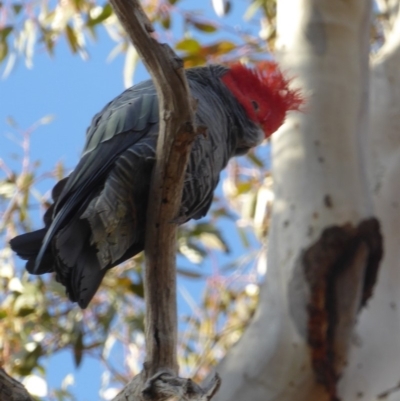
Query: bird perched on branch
(98,217)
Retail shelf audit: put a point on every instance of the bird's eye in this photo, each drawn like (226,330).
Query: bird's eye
(255,105)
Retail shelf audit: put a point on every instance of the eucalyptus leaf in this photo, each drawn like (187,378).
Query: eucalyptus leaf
(191,46)
(204,27)
(101,17)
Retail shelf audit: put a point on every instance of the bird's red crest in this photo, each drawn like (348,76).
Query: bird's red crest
(263,92)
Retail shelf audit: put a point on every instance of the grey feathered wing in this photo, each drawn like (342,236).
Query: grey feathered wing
(99,212)
(75,236)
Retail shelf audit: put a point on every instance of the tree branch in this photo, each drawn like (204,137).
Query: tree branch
(165,386)
(11,389)
(174,143)
(177,132)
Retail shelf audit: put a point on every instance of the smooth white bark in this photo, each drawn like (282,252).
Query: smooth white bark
(374,366)
(320,181)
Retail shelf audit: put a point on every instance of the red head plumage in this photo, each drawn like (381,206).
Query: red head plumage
(263,92)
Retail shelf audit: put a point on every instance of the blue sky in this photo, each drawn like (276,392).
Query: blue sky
(73,90)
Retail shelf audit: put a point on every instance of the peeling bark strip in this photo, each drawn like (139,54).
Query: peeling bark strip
(341,270)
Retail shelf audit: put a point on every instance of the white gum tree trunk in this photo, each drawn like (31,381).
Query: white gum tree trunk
(327,327)
(373,372)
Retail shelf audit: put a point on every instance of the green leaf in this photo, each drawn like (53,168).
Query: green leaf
(137,289)
(252,9)
(214,241)
(105,13)
(193,60)
(220,47)
(203,227)
(78,348)
(40,369)
(17,8)
(48,39)
(4,32)
(191,46)
(256,161)
(193,252)
(29,361)
(72,39)
(222,212)
(7,189)
(244,187)
(210,236)
(24,305)
(135,322)
(166,21)
(172,1)
(3,48)
(243,237)
(79,4)
(57,288)
(204,27)
(189,273)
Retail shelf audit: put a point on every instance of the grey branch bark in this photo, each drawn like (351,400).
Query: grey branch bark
(177,131)
(165,386)
(11,389)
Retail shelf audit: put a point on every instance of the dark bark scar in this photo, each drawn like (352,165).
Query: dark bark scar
(340,253)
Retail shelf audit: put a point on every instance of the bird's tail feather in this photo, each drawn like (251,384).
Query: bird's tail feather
(77,260)
(27,247)
(86,277)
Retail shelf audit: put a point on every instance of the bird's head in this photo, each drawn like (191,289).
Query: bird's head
(263,92)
